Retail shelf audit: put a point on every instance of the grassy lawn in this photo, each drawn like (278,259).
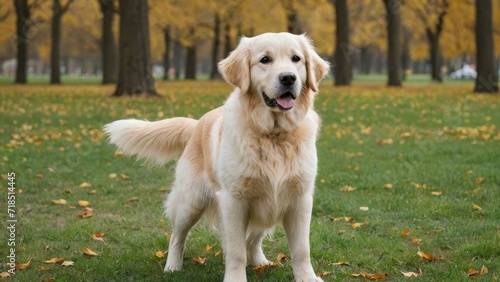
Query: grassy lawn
(400,171)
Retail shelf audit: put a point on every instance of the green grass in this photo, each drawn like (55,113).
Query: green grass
(441,136)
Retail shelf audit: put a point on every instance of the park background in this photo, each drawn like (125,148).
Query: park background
(409,165)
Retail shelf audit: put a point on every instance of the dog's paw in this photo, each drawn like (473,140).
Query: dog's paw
(172,267)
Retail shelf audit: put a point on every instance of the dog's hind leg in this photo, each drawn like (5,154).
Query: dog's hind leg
(254,248)
(185,206)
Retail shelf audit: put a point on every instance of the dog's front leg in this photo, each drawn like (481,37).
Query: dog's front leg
(234,213)
(297,225)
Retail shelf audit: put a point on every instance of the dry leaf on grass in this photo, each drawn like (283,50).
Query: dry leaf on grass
(428,257)
(133,199)
(208,247)
(405,232)
(98,237)
(118,153)
(160,254)
(324,273)
(388,186)
(85,185)
(411,274)
(416,241)
(124,176)
(376,276)
(436,193)
(59,202)
(200,260)
(343,263)
(43,268)
(83,204)
(54,260)
(20,266)
(475,272)
(89,252)
(347,188)
(86,214)
(262,268)
(218,253)
(282,258)
(68,263)
(5,275)
(476,207)
(112,175)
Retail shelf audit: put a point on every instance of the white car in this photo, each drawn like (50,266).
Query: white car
(465,72)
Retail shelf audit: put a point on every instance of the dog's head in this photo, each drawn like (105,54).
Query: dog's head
(278,67)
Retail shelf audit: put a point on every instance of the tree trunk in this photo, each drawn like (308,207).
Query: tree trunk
(292,18)
(227,39)
(177,59)
(405,52)
(191,62)
(342,47)
(487,77)
(435,55)
(166,55)
(108,42)
(366,59)
(214,73)
(135,68)
(55,71)
(22,31)
(393,8)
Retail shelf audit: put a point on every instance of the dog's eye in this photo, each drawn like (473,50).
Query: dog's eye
(295,58)
(265,60)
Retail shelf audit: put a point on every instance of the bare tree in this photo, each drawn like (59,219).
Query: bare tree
(135,74)
(487,78)
(23,28)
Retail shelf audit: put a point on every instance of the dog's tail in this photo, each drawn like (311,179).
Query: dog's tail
(155,142)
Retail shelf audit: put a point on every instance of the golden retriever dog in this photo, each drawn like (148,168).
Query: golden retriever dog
(248,165)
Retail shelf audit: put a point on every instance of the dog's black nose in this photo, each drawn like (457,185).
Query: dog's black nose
(287,78)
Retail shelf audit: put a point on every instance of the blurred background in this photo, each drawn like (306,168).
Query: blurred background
(436,38)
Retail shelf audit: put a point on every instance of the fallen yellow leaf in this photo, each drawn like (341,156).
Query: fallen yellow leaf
(124,176)
(84,204)
(472,272)
(5,275)
(479,179)
(428,257)
(416,241)
(282,257)
(388,186)
(340,263)
(20,266)
(98,237)
(200,260)
(376,276)
(89,252)
(261,268)
(85,185)
(54,260)
(208,247)
(43,268)
(476,207)
(118,153)
(112,175)
(85,214)
(405,232)
(164,189)
(324,273)
(218,253)
(411,274)
(436,193)
(133,199)
(59,202)
(484,270)
(347,188)
(159,254)
(356,225)
(68,263)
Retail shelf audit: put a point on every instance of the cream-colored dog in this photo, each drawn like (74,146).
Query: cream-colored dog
(248,165)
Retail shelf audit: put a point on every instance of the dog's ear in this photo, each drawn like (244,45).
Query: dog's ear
(236,67)
(317,68)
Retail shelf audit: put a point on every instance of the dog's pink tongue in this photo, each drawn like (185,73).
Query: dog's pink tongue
(286,102)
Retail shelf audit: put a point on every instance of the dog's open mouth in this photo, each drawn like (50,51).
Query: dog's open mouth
(284,102)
